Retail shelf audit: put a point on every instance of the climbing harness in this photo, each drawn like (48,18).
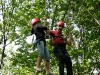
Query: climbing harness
(35,43)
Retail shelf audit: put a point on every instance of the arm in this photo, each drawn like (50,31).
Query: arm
(69,42)
(42,27)
(50,32)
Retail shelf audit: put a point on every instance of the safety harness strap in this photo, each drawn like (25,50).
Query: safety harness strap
(35,43)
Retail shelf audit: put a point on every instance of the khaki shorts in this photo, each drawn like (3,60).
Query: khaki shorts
(43,51)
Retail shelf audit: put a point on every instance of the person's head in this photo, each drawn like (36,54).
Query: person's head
(60,25)
(34,21)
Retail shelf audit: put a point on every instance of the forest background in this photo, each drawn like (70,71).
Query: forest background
(82,17)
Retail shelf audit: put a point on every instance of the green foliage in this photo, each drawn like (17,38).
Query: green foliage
(84,15)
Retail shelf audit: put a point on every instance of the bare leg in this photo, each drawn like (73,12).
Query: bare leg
(39,60)
(47,68)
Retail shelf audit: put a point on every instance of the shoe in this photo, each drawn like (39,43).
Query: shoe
(49,74)
(38,71)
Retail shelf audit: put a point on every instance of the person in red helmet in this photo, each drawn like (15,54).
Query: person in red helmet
(59,42)
(39,31)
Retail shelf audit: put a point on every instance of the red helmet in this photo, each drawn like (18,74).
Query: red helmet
(34,21)
(60,24)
